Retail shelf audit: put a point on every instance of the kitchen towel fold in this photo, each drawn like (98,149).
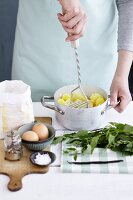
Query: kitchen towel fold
(99,154)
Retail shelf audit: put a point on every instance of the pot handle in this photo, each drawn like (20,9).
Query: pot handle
(44,99)
(108,106)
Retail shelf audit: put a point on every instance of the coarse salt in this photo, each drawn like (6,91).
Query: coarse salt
(42,159)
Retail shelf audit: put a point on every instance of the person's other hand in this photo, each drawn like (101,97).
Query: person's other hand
(120,90)
(73,19)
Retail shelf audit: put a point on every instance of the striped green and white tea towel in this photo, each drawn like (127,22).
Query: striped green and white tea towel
(99,154)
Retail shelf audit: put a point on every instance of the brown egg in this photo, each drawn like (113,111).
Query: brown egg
(30,136)
(41,130)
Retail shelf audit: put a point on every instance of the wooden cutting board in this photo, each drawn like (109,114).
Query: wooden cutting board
(16,170)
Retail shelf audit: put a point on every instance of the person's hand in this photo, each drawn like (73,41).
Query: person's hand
(73,19)
(120,90)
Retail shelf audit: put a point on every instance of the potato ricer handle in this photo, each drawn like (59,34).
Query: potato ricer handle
(75,44)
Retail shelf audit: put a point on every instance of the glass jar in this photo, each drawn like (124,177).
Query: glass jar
(13,146)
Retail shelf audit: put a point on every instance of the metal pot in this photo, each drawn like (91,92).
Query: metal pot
(77,119)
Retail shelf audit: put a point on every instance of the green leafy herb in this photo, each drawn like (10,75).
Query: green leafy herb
(115,136)
(94,142)
(58,140)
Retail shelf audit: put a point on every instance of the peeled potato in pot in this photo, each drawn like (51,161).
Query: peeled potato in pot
(30,136)
(99,101)
(41,130)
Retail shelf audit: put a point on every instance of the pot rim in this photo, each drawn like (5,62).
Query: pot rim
(72,108)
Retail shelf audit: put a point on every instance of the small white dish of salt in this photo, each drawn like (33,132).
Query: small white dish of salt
(42,158)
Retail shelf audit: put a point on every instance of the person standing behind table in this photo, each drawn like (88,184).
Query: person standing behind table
(119,87)
(41,57)
(40,53)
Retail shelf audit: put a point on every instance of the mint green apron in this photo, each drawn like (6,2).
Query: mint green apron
(46,62)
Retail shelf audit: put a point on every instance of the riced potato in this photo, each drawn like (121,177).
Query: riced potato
(95,99)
